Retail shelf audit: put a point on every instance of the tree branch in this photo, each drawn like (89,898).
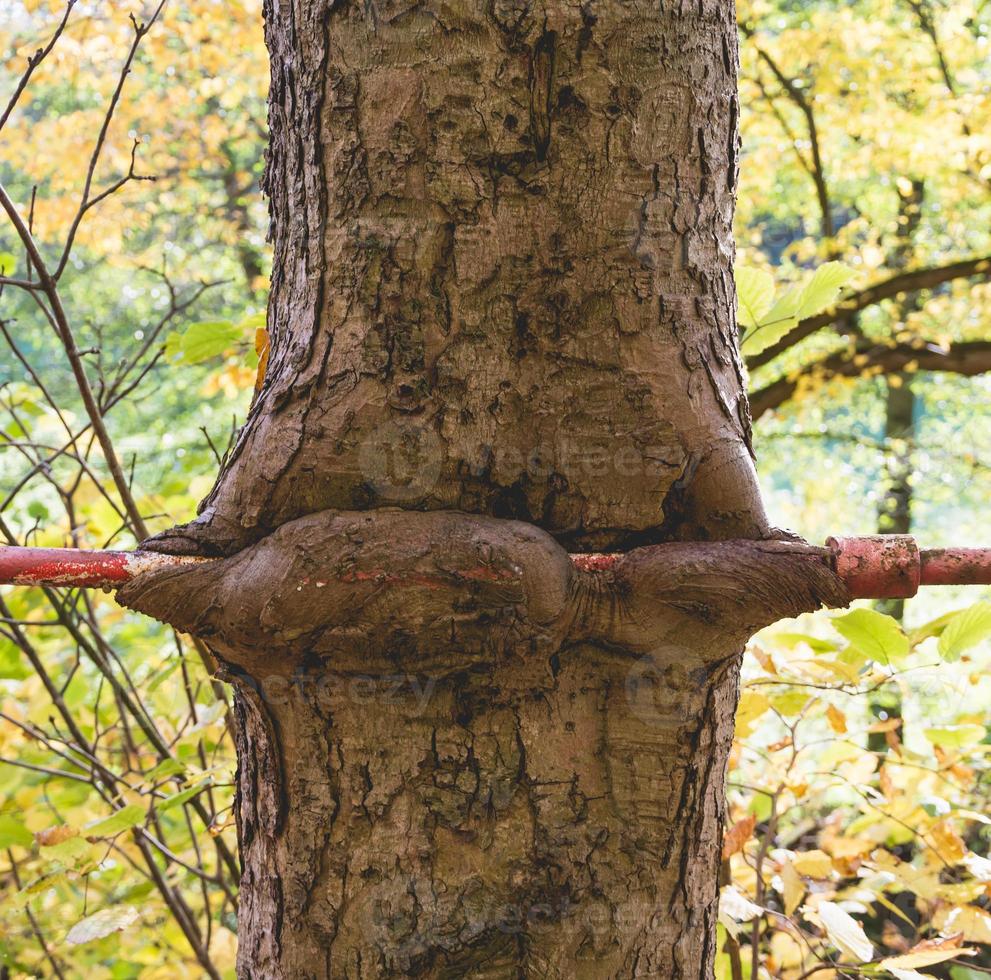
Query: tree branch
(903,282)
(924,16)
(61,322)
(967,358)
(33,61)
(816,170)
(140,30)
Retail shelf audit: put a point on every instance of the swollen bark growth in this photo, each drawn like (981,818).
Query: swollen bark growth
(502,327)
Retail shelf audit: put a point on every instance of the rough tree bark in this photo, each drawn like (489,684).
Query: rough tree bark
(503,329)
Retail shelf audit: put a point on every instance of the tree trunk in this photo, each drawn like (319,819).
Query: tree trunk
(895,513)
(502,323)
(503,271)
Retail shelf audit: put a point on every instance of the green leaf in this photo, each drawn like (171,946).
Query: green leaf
(965,630)
(934,627)
(823,289)
(955,736)
(11,666)
(162,675)
(754,293)
(177,799)
(875,635)
(70,853)
(784,313)
(723,965)
(69,793)
(8,263)
(761,805)
(790,703)
(780,319)
(124,819)
(253,321)
(36,887)
(101,924)
(38,510)
(201,341)
(964,973)
(12,832)
(818,294)
(166,768)
(28,407)
(791,640)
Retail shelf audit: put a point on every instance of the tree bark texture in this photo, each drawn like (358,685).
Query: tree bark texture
(502,322)
(465,754)
(503,271)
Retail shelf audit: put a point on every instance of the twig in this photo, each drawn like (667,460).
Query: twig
(75,360)
(35,928)
(33,61)
(140,30)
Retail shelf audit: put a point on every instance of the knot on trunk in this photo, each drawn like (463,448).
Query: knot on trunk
(445,591)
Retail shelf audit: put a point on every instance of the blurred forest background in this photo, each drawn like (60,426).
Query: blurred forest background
(858,824)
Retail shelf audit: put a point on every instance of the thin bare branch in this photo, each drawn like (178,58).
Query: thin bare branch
(140,30)
(75,360)
(33,61)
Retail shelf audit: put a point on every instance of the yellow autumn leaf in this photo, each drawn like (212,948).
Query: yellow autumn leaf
(948,842)
(849,847)
(753,706)
(836,719)
(793,887)
(787,953)
(885,782)
(858,771)
(813,864)
(926,957)
(973,923)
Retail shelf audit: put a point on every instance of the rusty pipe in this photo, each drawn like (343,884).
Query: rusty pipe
(892,566)
(76,568)
(878,566)
(956,566)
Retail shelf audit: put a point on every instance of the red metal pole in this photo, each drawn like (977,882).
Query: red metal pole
(877,566)
(873,567)
(73,567)
(891,566)
(956,566)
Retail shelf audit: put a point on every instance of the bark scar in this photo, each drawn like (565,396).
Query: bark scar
(542,92)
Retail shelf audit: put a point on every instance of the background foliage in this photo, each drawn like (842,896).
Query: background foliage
(859,783)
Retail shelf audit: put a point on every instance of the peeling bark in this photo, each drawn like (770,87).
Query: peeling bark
(502,323)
